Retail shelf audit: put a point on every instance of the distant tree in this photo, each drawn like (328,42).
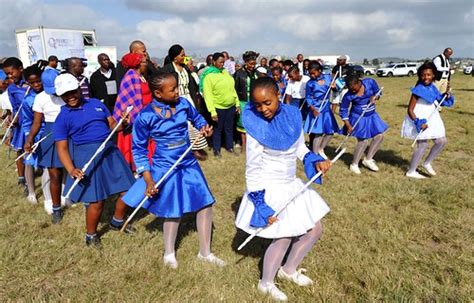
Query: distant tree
(366,61)
(375,61)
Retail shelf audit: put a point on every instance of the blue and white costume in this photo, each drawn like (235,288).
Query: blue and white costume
(27,116)
(371,124)
(428,98)
(326,122)
(16,94)
(185,190)
(87,127)
(272,149)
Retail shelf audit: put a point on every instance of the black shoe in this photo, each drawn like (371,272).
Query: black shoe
(129,230)
(57,217)
(230,150)
(217,154)
(94,242)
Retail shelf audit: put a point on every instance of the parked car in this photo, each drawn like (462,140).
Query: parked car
(468,70)
(369,70)
(398,69)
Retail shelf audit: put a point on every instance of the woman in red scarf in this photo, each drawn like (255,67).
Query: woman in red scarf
(133,91)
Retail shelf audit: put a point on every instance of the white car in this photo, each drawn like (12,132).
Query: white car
(398,69)
(468,70)
(369,70)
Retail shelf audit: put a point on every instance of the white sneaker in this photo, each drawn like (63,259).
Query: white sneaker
(322,154)
(272,290)
(414,175)
(429,169)
(211,258)
(170,261)
(48,206)
(298,277)
(355,169)
(32,199)
(370,164)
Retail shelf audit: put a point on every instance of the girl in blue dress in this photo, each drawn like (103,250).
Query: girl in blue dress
(32,76)
(326,124)
(13,67)
(87,123)
(361,95)
(165,121)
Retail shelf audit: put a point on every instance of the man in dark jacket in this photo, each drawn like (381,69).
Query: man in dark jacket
(103,85)
(136,47)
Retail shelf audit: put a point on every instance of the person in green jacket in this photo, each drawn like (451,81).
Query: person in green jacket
(222,102)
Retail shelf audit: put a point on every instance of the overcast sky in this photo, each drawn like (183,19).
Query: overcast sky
(360,28)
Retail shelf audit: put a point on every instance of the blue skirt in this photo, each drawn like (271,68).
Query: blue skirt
(184,191)
(18,139)
(108,174)
(325,124)
(47,154)
(369,126)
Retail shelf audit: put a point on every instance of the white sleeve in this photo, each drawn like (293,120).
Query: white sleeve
(437,63)
(38,104)
(5,101)
(253,166)
(301,148)
(288,89)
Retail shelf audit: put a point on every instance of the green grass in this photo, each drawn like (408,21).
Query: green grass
(387,238)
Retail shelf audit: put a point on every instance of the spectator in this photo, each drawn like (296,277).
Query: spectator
(134,91)
(264,63)
(299,62)
(103,85)
(136,47)
(75,66)
(53,62)
(243,80)
(188,88)
(221,101)
(443,73)
(229,64)
(343,70)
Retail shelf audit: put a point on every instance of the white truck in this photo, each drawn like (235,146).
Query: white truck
(398,69)
(40,43)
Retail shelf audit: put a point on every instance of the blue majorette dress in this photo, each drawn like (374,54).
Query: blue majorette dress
(87,127)
(27,116)
(325,122)
(16,93)
(371,124)
(185,190)
(273,146)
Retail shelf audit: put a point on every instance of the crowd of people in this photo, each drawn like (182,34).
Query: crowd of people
(163,120)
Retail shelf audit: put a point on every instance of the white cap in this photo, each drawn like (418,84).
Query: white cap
(342,57)
(65,83)
(262,70)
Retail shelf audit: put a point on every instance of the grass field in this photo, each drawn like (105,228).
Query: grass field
(387,238)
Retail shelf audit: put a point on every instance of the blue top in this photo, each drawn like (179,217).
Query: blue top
(16,93)
(282,90)
(279,133)
(431,94)
(359,103)
(27,113)
(84,124)
(316,92)
(169,132)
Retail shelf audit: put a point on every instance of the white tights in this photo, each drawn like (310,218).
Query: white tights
(278,248)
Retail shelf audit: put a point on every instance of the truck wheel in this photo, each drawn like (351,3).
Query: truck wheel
(367,73)
(390,74)
(410,73)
